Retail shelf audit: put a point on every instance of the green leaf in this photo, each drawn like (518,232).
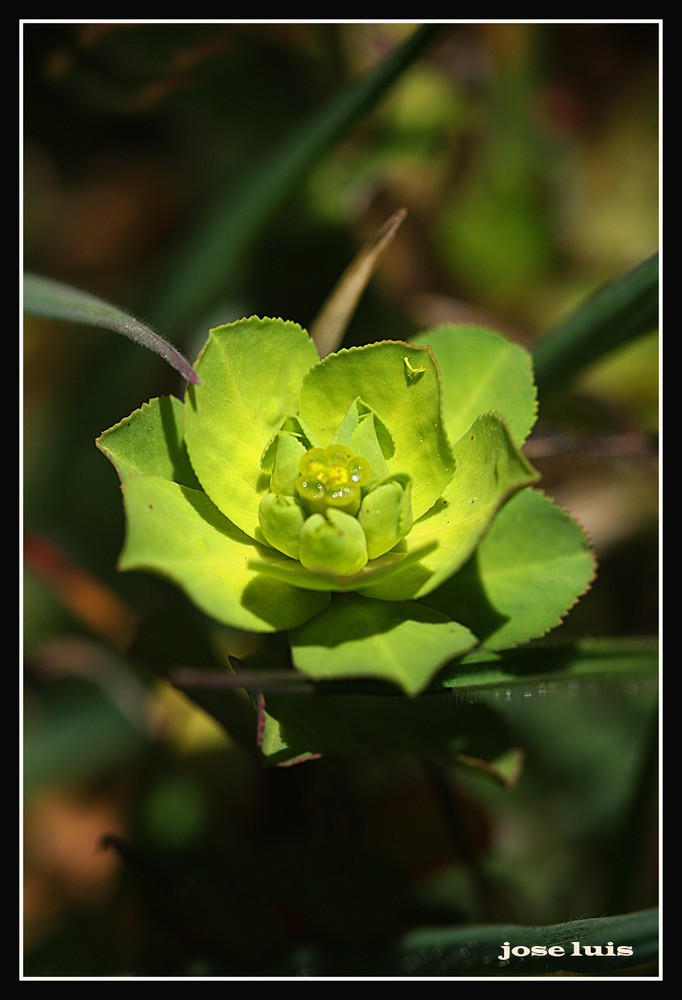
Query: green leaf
(329,326)
(409,407)
(457,719)
(482,371)
(622,310)
(402,643)
(295,728)
(150,441)
(496,673)
(251,374)
(528,571)
(476,948)
(54,299)
(550,662)
(489,470)
(386,566)
(179,533)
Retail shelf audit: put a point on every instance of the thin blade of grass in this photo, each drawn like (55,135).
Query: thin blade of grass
(56,300)
(615,314)
(330,324)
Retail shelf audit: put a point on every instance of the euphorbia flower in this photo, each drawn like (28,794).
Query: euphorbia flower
(335,498)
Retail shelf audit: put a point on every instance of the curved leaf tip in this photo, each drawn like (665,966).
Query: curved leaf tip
(56,300)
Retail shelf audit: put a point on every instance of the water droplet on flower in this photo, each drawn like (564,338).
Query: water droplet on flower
(332,477)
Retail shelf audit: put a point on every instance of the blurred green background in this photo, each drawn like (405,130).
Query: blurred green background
(527,157)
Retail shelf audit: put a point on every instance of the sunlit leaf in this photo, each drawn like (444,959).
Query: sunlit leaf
(178,532)
(529,570)
(403,643)
(251,375)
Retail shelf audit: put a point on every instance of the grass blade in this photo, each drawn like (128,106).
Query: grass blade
(56,300)
(329,326)
(615,314)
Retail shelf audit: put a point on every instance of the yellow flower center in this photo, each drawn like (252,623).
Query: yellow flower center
(332,477)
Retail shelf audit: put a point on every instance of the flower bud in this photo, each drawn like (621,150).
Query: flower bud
(332,542)
(386,515)
(281,519)
(331,477)
(281,458)
(367,435)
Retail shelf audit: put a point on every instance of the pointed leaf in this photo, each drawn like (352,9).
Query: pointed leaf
(56,300)
(402,643)
(251,374)
(615,314)
(329,326)
(150,441)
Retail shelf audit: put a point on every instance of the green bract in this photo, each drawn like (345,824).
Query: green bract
(351,500)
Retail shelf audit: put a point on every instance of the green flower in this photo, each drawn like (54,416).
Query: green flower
(375,504)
